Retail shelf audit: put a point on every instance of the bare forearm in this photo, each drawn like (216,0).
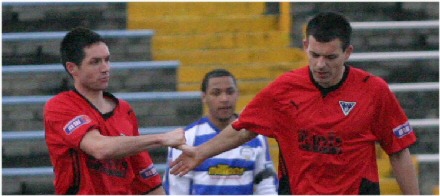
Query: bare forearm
(130,145)
(123,146)
(228,139)
(191,157)
(405,172)
(111,147)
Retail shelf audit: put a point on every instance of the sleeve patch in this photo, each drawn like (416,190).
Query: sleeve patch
(402,130)
(148,172)
(75,123)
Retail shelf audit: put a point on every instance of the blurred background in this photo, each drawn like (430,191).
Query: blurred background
(161,50)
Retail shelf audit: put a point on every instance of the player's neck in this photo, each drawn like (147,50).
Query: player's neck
(222,123)
(97,99)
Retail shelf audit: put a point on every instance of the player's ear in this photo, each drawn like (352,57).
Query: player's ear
(348,52)
(72,68)
(305,44)
(204,97)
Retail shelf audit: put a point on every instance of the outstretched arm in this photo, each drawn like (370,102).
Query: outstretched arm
(112,147)
(405,172)
(191,157)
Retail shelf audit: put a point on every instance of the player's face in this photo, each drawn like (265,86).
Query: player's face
(326,60)
(221,97)
(94,72)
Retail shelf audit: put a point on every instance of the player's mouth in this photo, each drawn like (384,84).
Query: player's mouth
(105,79)
(321,74)
(226,108)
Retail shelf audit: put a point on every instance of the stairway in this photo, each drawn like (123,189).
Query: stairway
(238,36)
(243,38)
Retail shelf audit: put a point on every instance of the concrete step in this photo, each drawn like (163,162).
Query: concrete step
(395,36)
(371,12)
(428,176)
(143,10)
(389,186)
(402,70)
(193,73)
(43,47)
(222,57)
(50,79)
(427,140)
(246,87)
(28,185)
(181,108)
(420,105)
(226,40)
(197,25)
(62,16)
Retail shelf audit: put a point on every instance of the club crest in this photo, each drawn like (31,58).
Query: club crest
(347,106)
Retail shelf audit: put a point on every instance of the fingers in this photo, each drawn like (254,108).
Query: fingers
(182,165)
(179,168)
(183,147)
(180,131)
(174,138)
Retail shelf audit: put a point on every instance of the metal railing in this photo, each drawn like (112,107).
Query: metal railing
(391,56)
(32,36)
(16,69)
(414,87)
(387,25)
(135,96)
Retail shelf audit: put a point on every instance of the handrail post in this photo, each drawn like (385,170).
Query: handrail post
(285,21)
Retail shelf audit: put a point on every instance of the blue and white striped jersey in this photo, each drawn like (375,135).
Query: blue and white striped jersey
(245,170)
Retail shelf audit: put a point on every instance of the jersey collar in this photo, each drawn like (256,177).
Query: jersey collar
(105,94)
(206,119)
(326,91)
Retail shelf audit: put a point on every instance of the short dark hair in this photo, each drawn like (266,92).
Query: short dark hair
(214,74)
(73,44)
(328,26)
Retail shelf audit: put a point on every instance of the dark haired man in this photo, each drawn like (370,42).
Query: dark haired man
(326,118)
(244,170)
(92,136)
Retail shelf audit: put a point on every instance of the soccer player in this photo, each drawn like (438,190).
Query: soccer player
(326,118)
(92,136)
(245,170)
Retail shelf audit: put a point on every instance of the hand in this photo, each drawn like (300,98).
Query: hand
(187,161)
(174,138)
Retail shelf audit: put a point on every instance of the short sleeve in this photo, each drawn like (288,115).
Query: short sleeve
(263,114)
(147,177)
(392,126)
(66,120)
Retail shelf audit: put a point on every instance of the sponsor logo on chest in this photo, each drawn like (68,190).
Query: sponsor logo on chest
(225,170)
